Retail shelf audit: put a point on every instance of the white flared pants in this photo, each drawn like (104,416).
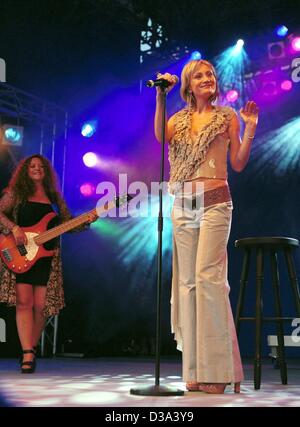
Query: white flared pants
(200,294)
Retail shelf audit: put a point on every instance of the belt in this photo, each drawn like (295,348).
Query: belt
(208,198)
(217,195)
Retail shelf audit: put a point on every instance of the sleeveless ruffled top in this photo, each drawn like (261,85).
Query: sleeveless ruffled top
(202,155)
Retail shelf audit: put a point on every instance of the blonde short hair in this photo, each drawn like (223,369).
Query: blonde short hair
(186,76)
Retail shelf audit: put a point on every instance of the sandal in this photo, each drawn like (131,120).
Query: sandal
(192,386)
(217,388)
(29,366)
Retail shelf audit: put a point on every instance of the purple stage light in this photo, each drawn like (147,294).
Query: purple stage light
(286,85)
(232,95)
(90,159)
(87,189)
(296,44)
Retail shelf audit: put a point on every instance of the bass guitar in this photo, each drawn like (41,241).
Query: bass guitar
(20,258)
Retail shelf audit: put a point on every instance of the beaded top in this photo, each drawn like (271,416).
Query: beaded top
(186,154)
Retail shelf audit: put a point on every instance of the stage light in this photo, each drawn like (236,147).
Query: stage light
(138,238)
(237,49)
(88,129)
(12,135)
(295,43)
(196,55)
(278,150)
(90,159)
(232,95)
(282,30)
(286,85)
(276,50)
(230,66)
(87,189)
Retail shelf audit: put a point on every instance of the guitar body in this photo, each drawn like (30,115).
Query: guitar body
(20,259)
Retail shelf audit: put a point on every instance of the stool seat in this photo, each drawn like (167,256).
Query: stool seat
(264,247)
(267,242)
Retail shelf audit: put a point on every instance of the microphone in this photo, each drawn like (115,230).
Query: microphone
(162,82)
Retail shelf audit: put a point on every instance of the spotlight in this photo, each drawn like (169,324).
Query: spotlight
(286,85)
(276,50)
(12,135)
(282,31)
(295,43)
(87,189)
(90,159)
(88,129)
(232,95)
(196,55)
(237,49)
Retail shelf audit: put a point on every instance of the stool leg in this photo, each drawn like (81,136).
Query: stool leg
(293,278)
(279,322)
(258,317)
(243,284)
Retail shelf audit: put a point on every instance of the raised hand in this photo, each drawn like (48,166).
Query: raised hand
(169,78)
(92,217)
(250,113)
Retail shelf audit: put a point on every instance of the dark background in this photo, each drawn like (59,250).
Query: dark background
(75,53)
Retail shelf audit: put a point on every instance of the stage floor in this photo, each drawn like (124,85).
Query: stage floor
(70,382)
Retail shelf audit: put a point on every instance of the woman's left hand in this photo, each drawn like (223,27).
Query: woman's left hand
(250,113)
(92,217)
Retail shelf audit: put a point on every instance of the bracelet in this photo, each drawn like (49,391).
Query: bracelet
(249,137)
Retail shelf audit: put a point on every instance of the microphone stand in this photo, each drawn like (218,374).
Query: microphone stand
(157,389)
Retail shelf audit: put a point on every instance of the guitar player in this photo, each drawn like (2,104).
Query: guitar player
(31,195)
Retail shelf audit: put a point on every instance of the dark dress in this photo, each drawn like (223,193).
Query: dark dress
(29,214)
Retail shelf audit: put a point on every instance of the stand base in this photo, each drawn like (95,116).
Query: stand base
(156,390)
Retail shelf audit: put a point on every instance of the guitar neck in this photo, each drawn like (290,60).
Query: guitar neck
(70,225)
(62,228)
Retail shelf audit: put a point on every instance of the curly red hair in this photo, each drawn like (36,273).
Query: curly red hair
(22,186)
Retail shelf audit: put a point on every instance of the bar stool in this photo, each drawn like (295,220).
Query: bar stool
(271,246)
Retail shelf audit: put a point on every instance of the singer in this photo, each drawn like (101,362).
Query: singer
(200,136)
(162,82)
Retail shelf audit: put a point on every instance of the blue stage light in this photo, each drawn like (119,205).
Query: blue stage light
(12,135)
(196,55)
(282,30)
(230,66)
(88,129)
(237,49)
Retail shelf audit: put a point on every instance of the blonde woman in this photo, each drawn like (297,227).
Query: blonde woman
(200,137)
